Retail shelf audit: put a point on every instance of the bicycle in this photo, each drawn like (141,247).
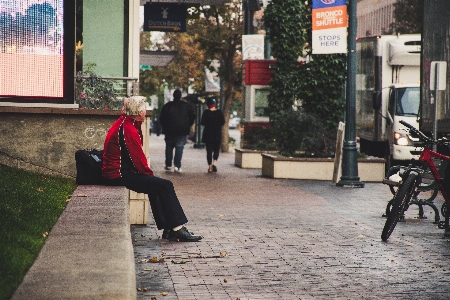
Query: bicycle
(412,179)
(428,190)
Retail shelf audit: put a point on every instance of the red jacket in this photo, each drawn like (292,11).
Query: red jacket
(113,152)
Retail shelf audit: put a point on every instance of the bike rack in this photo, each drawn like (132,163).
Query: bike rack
(416,201)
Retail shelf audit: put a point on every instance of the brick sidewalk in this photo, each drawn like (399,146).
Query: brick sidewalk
(286,239)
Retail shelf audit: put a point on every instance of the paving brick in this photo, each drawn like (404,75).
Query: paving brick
(287,239)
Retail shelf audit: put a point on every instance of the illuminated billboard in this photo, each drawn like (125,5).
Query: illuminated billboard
(32,63)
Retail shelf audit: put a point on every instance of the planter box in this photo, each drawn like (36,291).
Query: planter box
(277,166)
(249,159)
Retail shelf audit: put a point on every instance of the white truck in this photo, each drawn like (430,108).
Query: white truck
(387,91)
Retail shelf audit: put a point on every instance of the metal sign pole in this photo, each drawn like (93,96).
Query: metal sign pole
(350,176)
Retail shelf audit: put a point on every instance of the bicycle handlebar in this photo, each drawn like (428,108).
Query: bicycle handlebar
(421,135)
(426,140)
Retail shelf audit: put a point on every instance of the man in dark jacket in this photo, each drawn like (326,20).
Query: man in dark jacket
(176,119)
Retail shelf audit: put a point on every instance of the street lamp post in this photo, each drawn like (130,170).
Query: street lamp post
(350,176)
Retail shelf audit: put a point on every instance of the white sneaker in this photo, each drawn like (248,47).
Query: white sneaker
(178,170)
(168,168)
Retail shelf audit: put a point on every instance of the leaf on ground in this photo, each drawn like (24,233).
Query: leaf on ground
(80,195)
(220,215)
(155,260)
(164,293)
(39,190)
(182,262)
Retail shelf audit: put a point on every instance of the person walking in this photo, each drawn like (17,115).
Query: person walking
(125,164)
(212,120)
(176,119)
(157,126)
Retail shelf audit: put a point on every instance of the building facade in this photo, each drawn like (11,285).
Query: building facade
(374,17)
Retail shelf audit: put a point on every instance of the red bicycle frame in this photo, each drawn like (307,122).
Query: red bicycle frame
(427,157)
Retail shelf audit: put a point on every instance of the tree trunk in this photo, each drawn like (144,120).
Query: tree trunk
(228,58)
(225,128)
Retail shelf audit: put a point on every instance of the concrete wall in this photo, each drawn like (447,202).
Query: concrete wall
(45,139)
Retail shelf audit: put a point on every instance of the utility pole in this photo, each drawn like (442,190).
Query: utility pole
(250,6)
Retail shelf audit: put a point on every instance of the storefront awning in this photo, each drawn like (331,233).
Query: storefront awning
(156,58)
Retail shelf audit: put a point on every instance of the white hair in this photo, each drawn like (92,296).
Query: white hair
(134,105)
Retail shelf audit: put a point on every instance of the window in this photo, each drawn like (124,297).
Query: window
(256,103)
(408,101)
(261,103)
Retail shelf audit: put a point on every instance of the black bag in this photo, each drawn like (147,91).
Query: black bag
(89,167)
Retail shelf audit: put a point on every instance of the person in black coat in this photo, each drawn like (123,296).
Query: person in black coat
(176,119)
(212,120)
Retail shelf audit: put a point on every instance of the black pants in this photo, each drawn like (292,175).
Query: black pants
(166,208)
(212,151)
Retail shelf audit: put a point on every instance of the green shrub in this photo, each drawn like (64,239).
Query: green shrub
(298,131)
(293,132)
(259,138)
(95,92)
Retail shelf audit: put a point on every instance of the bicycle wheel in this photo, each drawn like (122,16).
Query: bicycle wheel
(401,200)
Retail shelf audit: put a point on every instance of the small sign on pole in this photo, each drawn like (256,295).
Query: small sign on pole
(252,46)
(212,79)
(438,75)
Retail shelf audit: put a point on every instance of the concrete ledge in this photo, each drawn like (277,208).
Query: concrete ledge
(89,252)
(138,206)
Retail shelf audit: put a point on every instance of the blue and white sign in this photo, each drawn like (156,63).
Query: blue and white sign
(328,3)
